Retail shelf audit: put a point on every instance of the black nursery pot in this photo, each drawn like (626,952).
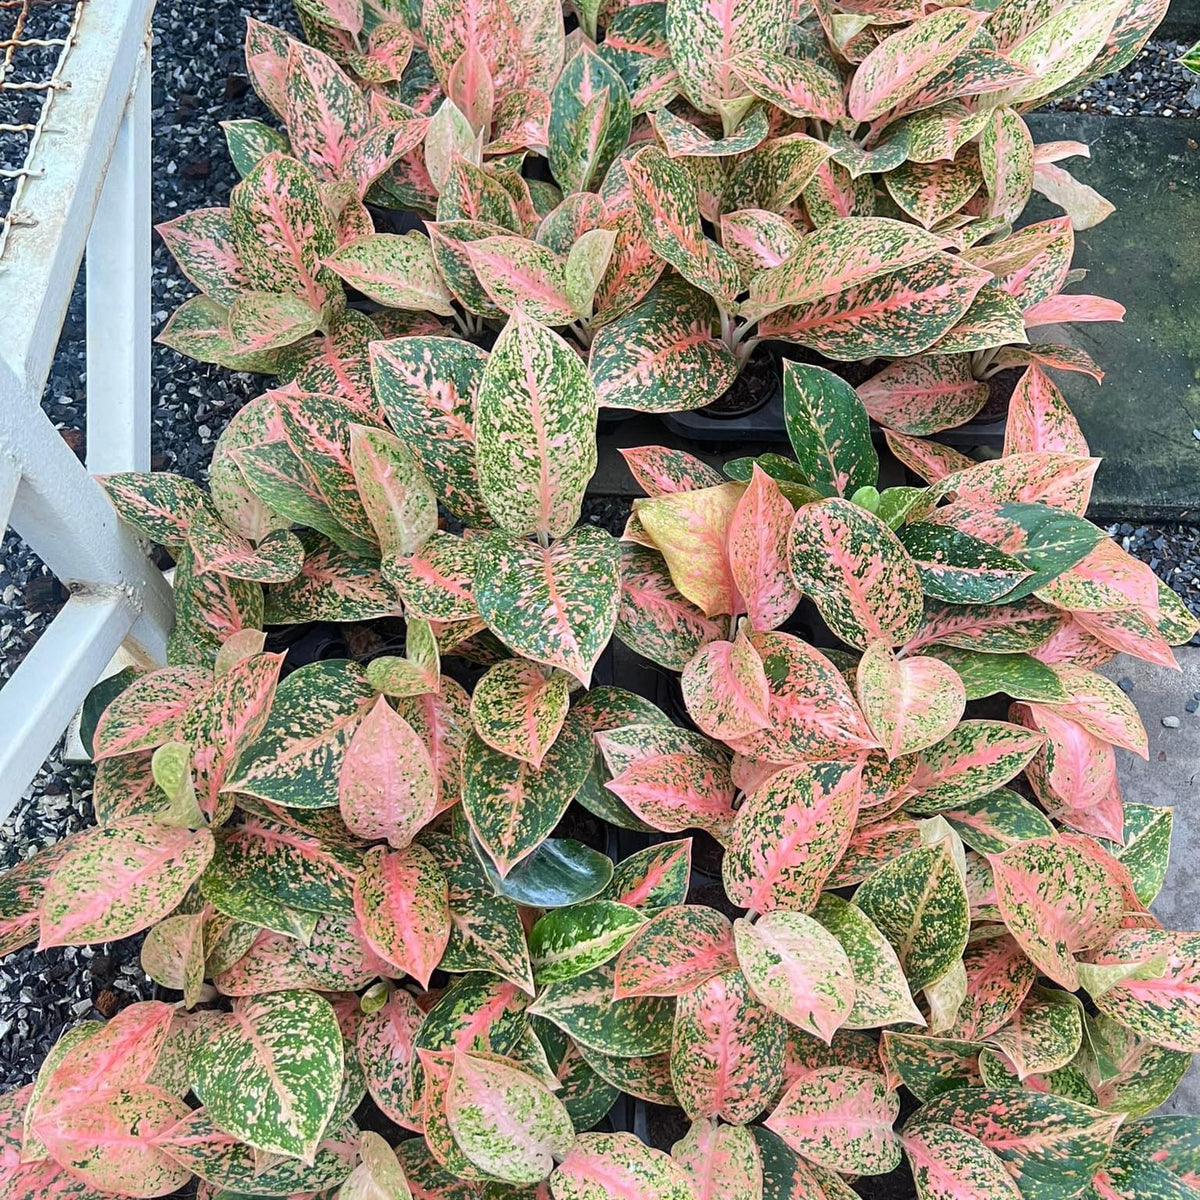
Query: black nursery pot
(750,410)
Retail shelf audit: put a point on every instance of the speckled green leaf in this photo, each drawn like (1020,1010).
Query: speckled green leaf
(881,994)
(396,270)
(975,759)
(588,1096)
(1051,1146)
(399,501)
(506,1122)
(427,387)
(841,1118)
(556,606)
(159,505)
(828,428)
(584,1008)
(919,902)
(567,942)
(928,1066)
(910,703)
(1146,849)
(856,570)
(787,838)
(202,244)
(683,139)
(515,709)
(1128,1073)
(150,711)
(774,175)
(653,878)
(590,119)
(998,820)
(523,275)
(647,1078)
(1020,676)
(682,947)
(949,1164)
(1044,1034)
(296,758)
(726,1050)
(932,192)
(664,193)
(476,1013)
(333,585)
(271,1073)
(618,1166)
(512,806)
(535,424)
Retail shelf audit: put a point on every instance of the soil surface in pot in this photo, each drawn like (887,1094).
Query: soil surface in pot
(756,384)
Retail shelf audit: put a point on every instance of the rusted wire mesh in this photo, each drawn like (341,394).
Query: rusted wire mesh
(35,39)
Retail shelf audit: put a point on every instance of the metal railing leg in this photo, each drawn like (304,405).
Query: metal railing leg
(118,297)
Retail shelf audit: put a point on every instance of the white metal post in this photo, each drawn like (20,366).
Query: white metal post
(118,297)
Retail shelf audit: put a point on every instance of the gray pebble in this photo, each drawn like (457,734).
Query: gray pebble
(1171,722)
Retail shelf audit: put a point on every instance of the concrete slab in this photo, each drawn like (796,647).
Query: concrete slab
(1171,776)
(1142,420)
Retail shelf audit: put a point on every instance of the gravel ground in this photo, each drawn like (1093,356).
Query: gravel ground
(199,80)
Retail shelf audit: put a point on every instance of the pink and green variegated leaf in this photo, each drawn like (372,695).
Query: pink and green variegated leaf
(1050,1146)
(1045,1032)
(487,26)
(273,964)
(949,1164)
(857,572)
(1101,708)
(21,887)
(774,175)
(675,791)
(108,1141)
(798,969)
(397,270)
(626,1027)
(1164,1008)
(201,242)
(647,1078)
(563,225)
(999,977)
(840,1118)
(828,428)
(932,192)
(437,580)
(159,505)
(400,898)
(449,240)
(661,470)
(1106,579)
(296,758)
(707,40)
(680,948)
(654,618)
(789,835)
(386,783)
(664,193)
(150,711)
(924,395)
(384,1045)
(535,421)
(427,387)
(271,1072)
(1060,480)
(661,355)
(721,1161)
(880,994)
(653,878)
(757,542)
(758,239)
(1006,160)
(216,548)
(999,820)
(518,711)
(833,193)
(557,606)
(333,585)
(520,274)
(399,501)
(928,1066)
(1054,47)
(120,879)
(919,902)
(974,759)
(907,61)
(797,86)
(725,688)
(507,1123)
(873,844)
(929,460)
(899,314)
(326,112)
(989,628)
(618,1166)
(521,121)
(1131,632)
(683,139)
(910,703)
(690,529)
(726,1050)
(173,955)
(590,120)
(1058,898)
(282,231)
(1059,357)
(812,712)
(511,806)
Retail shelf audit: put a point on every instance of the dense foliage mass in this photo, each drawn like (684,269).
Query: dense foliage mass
(883,731)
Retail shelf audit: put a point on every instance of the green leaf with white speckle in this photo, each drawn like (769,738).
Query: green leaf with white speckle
(571,941)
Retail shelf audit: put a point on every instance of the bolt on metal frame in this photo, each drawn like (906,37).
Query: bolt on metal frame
(84,184)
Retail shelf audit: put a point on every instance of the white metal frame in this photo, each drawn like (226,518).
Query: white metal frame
(87,186)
